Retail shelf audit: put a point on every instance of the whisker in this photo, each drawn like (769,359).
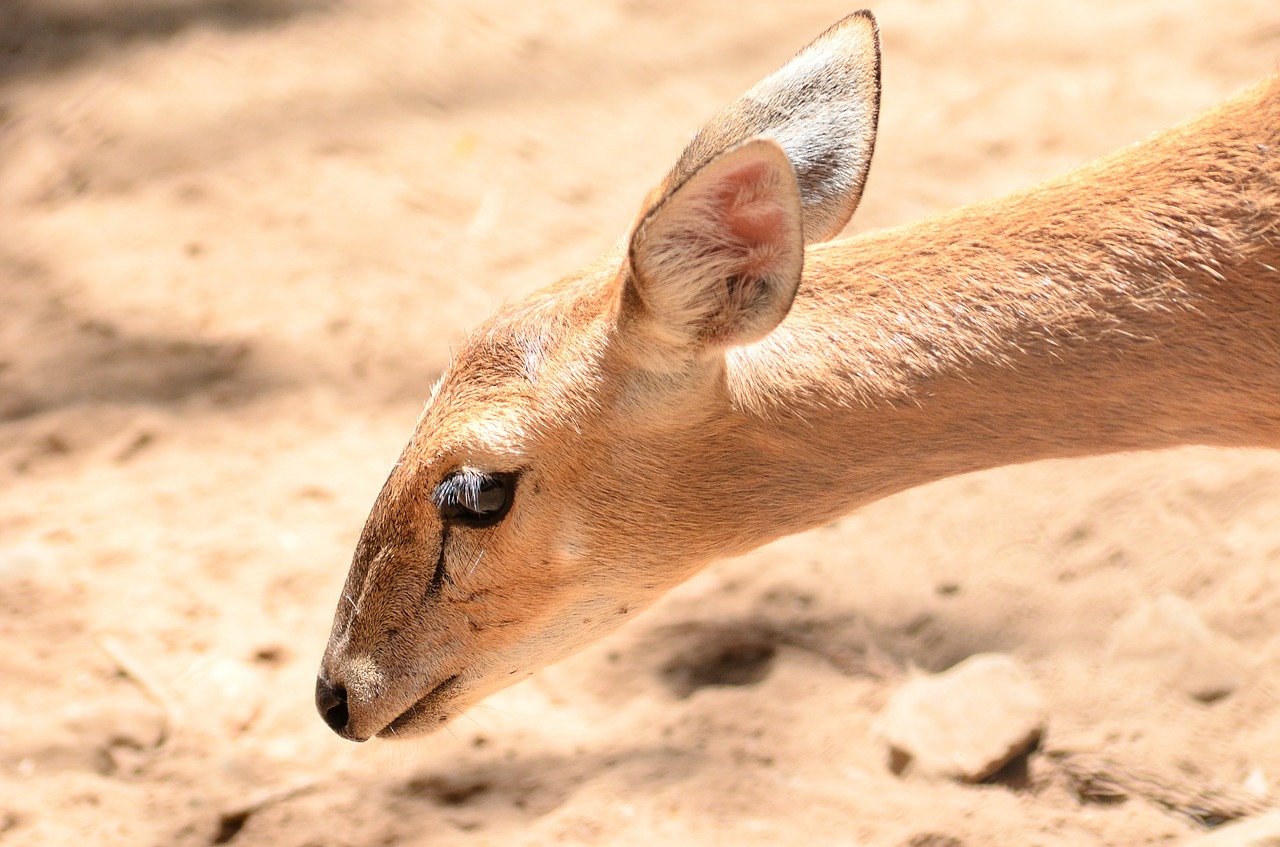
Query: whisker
(492,709)
(475,563)
(469,717)
(454,736)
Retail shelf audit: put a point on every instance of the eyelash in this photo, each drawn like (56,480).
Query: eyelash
(474,498)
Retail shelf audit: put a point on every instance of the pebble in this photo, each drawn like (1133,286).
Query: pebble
(223,695)
(1261,831)
(966,723)
(1168,635)
(29,560)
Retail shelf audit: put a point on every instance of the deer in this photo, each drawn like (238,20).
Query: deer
(729,374)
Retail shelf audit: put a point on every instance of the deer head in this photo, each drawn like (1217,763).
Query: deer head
(585,450)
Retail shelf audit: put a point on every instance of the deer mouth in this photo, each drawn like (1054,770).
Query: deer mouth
(425,713)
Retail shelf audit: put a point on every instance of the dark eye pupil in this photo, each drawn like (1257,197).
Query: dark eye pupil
(474,498)
(490,497)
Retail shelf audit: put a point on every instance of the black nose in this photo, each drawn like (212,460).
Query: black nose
(331,703)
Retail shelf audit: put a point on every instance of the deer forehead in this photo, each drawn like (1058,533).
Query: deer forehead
(481,406)
(497,396)
(472,434)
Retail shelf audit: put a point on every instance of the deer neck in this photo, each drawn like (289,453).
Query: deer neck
(1132,305)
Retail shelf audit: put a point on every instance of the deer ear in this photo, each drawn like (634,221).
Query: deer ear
(822,108)
(716,262)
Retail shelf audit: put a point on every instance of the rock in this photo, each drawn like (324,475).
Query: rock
(965,723)
(31,561)
(223,695)
(1168,635)
(1262,831)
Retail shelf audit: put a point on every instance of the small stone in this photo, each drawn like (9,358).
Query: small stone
(30,560)
(224,694)
(1168,635)
(1256,784)
(965,723)
(1261,831)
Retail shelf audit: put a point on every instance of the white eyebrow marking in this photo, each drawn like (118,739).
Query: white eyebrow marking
(497,433)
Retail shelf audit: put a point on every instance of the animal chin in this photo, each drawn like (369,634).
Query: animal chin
(425,714)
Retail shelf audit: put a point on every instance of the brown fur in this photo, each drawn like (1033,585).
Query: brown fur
(1132,304)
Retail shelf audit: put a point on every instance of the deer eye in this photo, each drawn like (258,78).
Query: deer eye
(474,498)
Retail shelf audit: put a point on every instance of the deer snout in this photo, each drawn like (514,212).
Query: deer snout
(351,694)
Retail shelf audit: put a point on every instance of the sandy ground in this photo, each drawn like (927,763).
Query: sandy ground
(236,240)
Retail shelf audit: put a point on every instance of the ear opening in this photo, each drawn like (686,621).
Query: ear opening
(716,262)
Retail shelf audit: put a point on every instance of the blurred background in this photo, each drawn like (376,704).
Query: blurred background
(237,238)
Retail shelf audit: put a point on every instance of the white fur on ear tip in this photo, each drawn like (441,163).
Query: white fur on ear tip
(718,259)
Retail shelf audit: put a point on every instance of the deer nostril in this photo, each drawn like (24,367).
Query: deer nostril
(331,703)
